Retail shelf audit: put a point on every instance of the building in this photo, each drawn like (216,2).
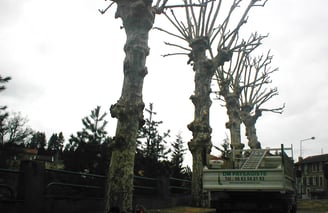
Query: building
(311,174)
(51,161)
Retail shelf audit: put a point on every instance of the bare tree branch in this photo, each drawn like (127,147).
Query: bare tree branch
(167,32)
(279,110)
(175,45)
(105,10)
(173,54)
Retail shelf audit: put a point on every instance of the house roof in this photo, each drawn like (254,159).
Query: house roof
(315,159)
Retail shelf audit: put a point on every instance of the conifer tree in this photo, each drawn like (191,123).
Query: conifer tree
(3,114)
(56,142)
(93,130)
(152,148)
(87,148)
(38,141)
(152,142)
(177,156)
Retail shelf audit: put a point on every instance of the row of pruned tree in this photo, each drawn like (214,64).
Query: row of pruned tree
(211,39)
(243,89)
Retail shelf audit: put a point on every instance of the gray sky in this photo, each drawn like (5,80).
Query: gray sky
(65,59)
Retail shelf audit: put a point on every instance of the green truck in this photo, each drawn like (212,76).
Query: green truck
(257,180)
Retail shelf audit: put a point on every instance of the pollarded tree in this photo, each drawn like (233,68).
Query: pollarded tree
(256,94)
(231,83)
(211,42)
(138,17)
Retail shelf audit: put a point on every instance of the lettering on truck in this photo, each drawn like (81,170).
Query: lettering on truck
(243,177)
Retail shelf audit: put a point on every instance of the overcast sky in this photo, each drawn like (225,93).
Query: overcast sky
(65,58)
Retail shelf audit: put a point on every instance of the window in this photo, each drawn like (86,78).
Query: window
(315,180)
(320,181)
(310,181)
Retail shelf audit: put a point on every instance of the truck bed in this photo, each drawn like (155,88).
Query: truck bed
(247,180)
(258,180)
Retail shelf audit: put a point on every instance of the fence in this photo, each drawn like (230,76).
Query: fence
(37,189)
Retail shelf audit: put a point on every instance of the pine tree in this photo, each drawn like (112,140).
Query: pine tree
(177,156)
(85,151)
(152,143)
(92,132)
(151,150)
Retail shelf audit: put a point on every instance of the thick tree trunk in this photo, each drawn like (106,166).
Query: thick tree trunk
(251,135)
(233,111)
(200,145)
(137,19)
(249,122)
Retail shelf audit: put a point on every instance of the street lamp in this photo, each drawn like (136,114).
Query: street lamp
(301,166)
(312,138)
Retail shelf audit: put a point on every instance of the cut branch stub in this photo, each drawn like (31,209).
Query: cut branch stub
(123,111)
(198,46)
(198,128)
(135,13)
(223,56)
(195,146)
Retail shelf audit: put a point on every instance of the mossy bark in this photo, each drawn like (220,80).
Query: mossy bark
(200,145)
(138,18)
(233,111)
(249,122)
